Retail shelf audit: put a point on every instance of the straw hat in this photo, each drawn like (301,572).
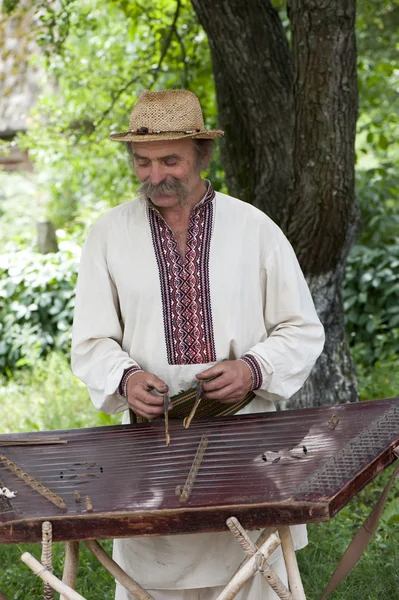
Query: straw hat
(166,115)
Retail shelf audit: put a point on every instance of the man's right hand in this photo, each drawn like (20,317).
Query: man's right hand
(142,402)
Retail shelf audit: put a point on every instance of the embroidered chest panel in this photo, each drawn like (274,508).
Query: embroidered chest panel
(186,301)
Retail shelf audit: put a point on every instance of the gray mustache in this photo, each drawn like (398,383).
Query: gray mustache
(165,188)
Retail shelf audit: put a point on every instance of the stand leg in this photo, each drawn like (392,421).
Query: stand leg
(49,578)
(47,557)
(70,565)
(248,568)
(294,577)
(261,564)
(116,571)
(264,536)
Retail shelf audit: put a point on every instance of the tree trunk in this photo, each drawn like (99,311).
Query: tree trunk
(252,70)
(293,157)
(46,237)
(322,215)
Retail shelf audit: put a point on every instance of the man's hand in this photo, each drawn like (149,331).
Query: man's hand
(142,402)
(231,381)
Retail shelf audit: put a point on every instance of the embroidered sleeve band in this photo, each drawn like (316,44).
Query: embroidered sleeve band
(126,376)
(253,364)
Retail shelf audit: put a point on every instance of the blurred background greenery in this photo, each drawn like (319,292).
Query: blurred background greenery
(85,55)
(78,174)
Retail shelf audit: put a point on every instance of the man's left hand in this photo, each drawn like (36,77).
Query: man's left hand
(231,381)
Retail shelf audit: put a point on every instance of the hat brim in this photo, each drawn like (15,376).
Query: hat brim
(156,137)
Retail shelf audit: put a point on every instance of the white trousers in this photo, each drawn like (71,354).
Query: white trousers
(255,589)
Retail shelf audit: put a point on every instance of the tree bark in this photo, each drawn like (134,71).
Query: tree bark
(289,150)
(252,70)
(46,237)
(322,215)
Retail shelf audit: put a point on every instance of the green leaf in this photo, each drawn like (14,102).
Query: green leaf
(383,142)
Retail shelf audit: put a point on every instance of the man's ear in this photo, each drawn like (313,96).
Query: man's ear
(206,154)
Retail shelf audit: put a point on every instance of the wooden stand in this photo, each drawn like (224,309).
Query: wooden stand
(47,557)
(116,571)
(294,577)
(256,561)
(70,565)
(49,578)
(249,567)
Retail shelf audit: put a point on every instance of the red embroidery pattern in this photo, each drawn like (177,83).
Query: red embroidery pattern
(125,378)
(256,371)
(186,301)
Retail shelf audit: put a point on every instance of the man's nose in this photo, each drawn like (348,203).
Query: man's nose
(157,174)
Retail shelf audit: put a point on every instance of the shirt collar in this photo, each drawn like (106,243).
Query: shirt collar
(208,196)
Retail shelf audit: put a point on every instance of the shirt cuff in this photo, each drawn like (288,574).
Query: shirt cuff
(125,378)
(256,371)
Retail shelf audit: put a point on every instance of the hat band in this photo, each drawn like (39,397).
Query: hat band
(148,131)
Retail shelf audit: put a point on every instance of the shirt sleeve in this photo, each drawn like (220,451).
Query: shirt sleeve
(281,363)
(97,356)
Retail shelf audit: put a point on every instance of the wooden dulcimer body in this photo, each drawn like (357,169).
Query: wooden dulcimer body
(122,481)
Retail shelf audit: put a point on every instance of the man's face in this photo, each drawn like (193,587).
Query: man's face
(167,171)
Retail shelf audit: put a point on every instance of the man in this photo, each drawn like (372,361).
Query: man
(184,285)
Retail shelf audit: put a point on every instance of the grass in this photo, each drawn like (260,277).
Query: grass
(17,582)
(52,398)
(375,577)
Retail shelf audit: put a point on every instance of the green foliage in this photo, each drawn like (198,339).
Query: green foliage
(47,397)
(379,381)
(371,290)
(378,79)
(8,6)
(36,304)
(371,296)
(378,195)
(113,51)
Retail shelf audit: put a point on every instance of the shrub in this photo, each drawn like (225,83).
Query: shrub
(371,288)
(36,304)
(371,298)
